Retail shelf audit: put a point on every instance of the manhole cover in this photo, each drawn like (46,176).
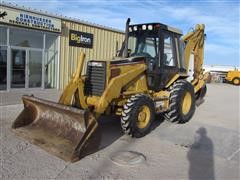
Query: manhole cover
(128,158)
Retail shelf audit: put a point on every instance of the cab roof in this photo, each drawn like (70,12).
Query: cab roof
(161,26)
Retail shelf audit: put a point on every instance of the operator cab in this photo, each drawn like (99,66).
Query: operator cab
(160,46)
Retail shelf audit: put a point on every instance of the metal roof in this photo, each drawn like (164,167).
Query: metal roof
(173,29)
(46,13)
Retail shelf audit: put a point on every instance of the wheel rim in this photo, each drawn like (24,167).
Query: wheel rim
(187,103)
(236,81)
(143,117)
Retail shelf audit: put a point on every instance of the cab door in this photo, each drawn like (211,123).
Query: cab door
(169,63)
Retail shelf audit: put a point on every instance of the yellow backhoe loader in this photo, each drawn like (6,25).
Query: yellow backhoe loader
(233,77)
(148,76)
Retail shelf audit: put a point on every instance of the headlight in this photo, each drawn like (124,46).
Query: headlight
(130,29)
(144,27)
(135,28)
(98,64)
(150,27)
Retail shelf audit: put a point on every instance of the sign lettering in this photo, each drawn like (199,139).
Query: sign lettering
(27,19)
(80,39)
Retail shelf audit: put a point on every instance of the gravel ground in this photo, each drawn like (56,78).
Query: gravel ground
(207,147)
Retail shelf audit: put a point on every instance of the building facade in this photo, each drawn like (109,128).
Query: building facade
(103,45)
(40,50)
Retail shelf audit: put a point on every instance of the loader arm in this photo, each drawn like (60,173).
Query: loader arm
(195,44)
(76,84)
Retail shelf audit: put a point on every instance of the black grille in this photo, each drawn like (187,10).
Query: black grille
(96,79)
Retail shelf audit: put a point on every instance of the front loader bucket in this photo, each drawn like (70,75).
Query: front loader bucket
(64,131)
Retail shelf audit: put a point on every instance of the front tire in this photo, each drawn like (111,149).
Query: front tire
(182,102)
(137,115)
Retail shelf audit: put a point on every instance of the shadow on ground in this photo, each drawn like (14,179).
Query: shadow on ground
(159,119)
(201,157)
(111,129)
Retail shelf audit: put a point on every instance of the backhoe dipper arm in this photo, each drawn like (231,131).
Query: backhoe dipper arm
(195,44)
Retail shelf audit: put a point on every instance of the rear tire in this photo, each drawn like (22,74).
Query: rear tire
(182,102)
(236,81)
(137,115)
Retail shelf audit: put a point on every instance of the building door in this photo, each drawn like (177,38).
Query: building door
(26,68)
(34,68)
(18,68)
(3,68)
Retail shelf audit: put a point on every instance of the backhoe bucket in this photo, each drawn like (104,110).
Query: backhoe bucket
(64,131)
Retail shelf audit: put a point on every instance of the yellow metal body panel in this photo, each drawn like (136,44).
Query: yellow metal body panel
(120,101)
(200,82)
(195,45)
(116,84)
(92,100)
(162,96)
(139,85)
(172,80)
(232,74)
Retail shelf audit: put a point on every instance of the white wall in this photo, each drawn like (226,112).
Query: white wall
(209,68)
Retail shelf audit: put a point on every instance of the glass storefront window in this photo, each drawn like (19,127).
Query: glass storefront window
(26,51)
(25,38)
(51,69)
(51,42)
(51,57)
(3,68)
(3,36)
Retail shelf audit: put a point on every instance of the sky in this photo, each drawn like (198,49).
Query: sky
(221,19)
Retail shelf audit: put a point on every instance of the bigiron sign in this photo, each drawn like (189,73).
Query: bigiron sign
(80,39)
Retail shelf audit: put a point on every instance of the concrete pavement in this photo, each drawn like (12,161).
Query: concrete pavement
(206,147)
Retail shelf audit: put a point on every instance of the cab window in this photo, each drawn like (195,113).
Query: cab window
(168,51)
(143,43)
